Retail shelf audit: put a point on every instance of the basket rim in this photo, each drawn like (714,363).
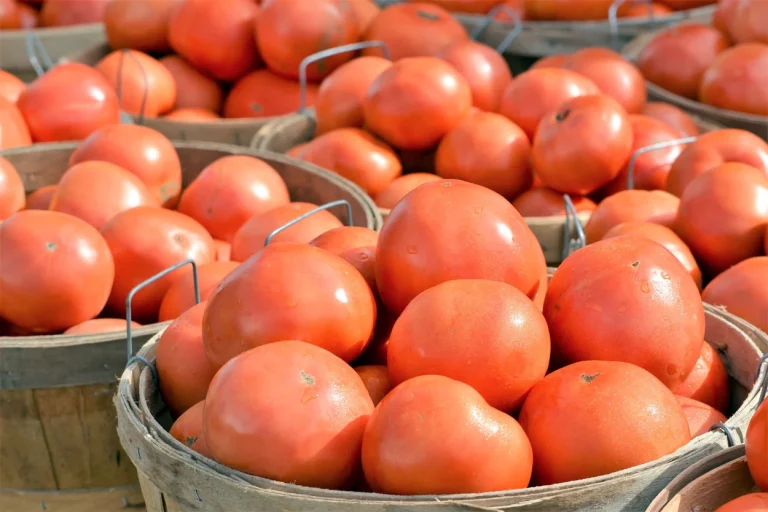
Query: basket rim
(68,30)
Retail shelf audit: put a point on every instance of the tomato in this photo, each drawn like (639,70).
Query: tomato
(722,216)
(9,15)
(593,289)
(376,380)
(100,325)
(701,417)
(644,10)
(413,30)
(680,5)
(223,250)
(401,186)
(468,6)
(40,199)
(734,80)
(748,22)
(180,297)
(230,191)
(192,115)
(567,10)
(708,381)
(485,70)
(218,42)
(415,102)
(512,7)
(57,13)
(365,12)
(755,502)
(654,206)
(757,448)
(12,196)
(639,421)
(354,244)
(193,89)
(251,236)
(742,290)
(140,25)
(537,92)
(551,61)
(143,151)
(182,365)
(545,202)
(339,100)
(145,241)
(489,150)
(664,236)
(673,116)
(357,156)
(265,94)
(288,31)
(28,16)
(426,434)
(614,75)
(594,131)
(677,58)
(188,429)
(45,260)
(10,86)
(290,291)
(451,229)
(13,130)
(724,13)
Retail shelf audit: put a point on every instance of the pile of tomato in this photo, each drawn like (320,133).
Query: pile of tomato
(28,14)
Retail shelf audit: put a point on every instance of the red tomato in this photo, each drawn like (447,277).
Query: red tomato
(708,381)
(365,12)
(567,10)
(264,94)
(450,229)
(188,429)
(755,502)
(487,149)
(551,61)
(11,86)
(376,380)
(40,199)
(644,10)
(13,129)
(748,22)
(223,250)
(354,244)
(180,297)
(193,88)
(218,42)
(139,24)
(757,449)
(428,431)
(100,325)
(593,289)
(145,241)
(742,290)
(673,116)
(57,13)
(654,206)
(250,238)
(724,13)
(28,16)
(736,81)
(192,115)
(468,6)
(184,370)
(545,202)
(12,196)
(230,191)
(701,417)
(594,131)
(303,293)
(401,186)
(143,151)
(45,260)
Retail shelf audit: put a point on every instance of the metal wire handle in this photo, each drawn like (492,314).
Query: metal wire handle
(327,206)
(126,118)
(572,222)
(722,427)
(764,386)
(489,19)
(613,17)
(37,55)
(652,147)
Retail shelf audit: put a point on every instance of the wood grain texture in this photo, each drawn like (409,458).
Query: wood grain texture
(123,499)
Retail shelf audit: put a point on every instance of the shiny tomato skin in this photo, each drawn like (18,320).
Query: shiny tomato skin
(673,116)
(748,21)
(708,382)
(742,290)
(356,245)
(139,24)
(180,297)
(755,502)
(654,206)
(188,429)
(262,93)
(100,325)
(12,196)
(736,79)
(545,202)
(400,187)
(13,129)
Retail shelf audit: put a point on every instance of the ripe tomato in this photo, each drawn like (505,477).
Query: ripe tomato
(297,151)
(401,186)
(288,31)
(180,297)
(722,216)
(701,417)
(143,151)
(139,24)
(145,241)
(192,115)
(290,291)
(47,103)
(264,94)
(59,13)
(451,229)
(742,290)
(545,202)
(100,325)
(567,10)
(356,155)
(551,61)
(614,75)
(415,102)
(356,245)
(593,289)
(485,70)
(12,196)
(757,448)
(365,12)
(654,206)
(673,116)
(13,129)
(502,352)
(218,42)
(754,502)
(376,380)
(188,429)
(28,16)
(413,30)
(45,260)
(644,10)
(339,100)
(594,131)
(724,13)
(184,370)
(708,381)
(425,434)
(535,93)
(251,236)
(677,58)
(664,236)
(40,199)
(680,5)
(748,22)
(230,191)
(10,86)
(487,149)
(193,89)
(10,18)
(468,6)
(96,191)
(736,81)
(640,421)
(223,250)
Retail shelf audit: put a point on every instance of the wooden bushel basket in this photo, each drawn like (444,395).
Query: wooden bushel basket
(727,118)
(174,478)
(59,449)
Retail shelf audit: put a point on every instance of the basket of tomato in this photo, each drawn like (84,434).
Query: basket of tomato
(102,217)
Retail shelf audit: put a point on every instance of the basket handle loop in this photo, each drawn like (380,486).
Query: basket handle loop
(613,17)
(488,20)
(572,223)
(126,118)
(37,55)
(762,366)
(722,427)
(326,206)
(648,149)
